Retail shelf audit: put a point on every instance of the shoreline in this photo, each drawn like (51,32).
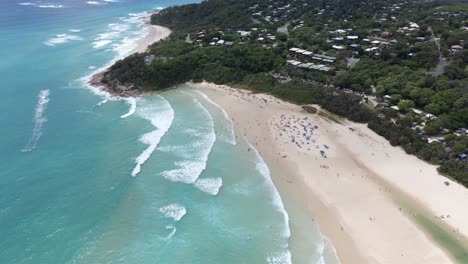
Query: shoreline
(155,33)
(353,192)
(330,193)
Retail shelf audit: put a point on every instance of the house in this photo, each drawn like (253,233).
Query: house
(421,39)
(463,157)
(352,37)
(413,25)
(220,42)
(375,42)
(354,47)
(456,48)
(243,33)
(385,34)
(340,31)
(228,43)
(377,31)
(293,62)
(371,50)
(338,47)
(439,139)
(149,59)
(338,39)
(431,116)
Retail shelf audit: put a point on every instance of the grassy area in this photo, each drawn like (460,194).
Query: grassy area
(369,105)
(455,8)
(330,116)
(445,238)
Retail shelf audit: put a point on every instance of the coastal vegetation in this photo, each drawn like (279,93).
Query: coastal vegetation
(400,67)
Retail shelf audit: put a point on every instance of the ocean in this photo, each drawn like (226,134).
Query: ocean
(87,178)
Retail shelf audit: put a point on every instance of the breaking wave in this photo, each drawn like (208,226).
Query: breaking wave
(121,46)
(161,116)
(101,43)
(230,135)
(62,38)
(280,258)
(95,3)
(174,211)
(132,102)
(40,4)
(173,231)
(188,171)
(262,167)
(209,185)
(39,120)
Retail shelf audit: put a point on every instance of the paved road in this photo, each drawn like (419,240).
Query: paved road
(442,62)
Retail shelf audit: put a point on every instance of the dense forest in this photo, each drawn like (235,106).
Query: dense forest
(413,90)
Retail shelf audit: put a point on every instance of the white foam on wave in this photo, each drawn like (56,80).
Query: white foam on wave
(95,3)
(133,105)
(174,211)
(280,258)
(92,67)
(50,6)
(40,4)
(39,120)
(121,48)
(231,137)
(161,116)
(265,172)
(74,30)
(101,43)
(261,166)
(188,171)
(173,231)
(62,38)
(209,185)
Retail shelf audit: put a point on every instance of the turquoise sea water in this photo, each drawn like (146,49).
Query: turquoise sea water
(85,178)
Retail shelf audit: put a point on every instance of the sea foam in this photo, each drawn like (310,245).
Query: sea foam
(39,120)
(174,211)
(62,38)
(95,3)
(40,4)
(262,167)
(101,43)
(276,198)
(172,233)
(209,185)
(161,116)
(280,258)
(50,6)
(121,47)
(230,135)
(189,170)
(133,104)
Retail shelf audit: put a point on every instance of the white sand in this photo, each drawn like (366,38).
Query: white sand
(351,191)
(155,34)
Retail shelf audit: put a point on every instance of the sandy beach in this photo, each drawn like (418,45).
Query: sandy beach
(350,179)
(155,34)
